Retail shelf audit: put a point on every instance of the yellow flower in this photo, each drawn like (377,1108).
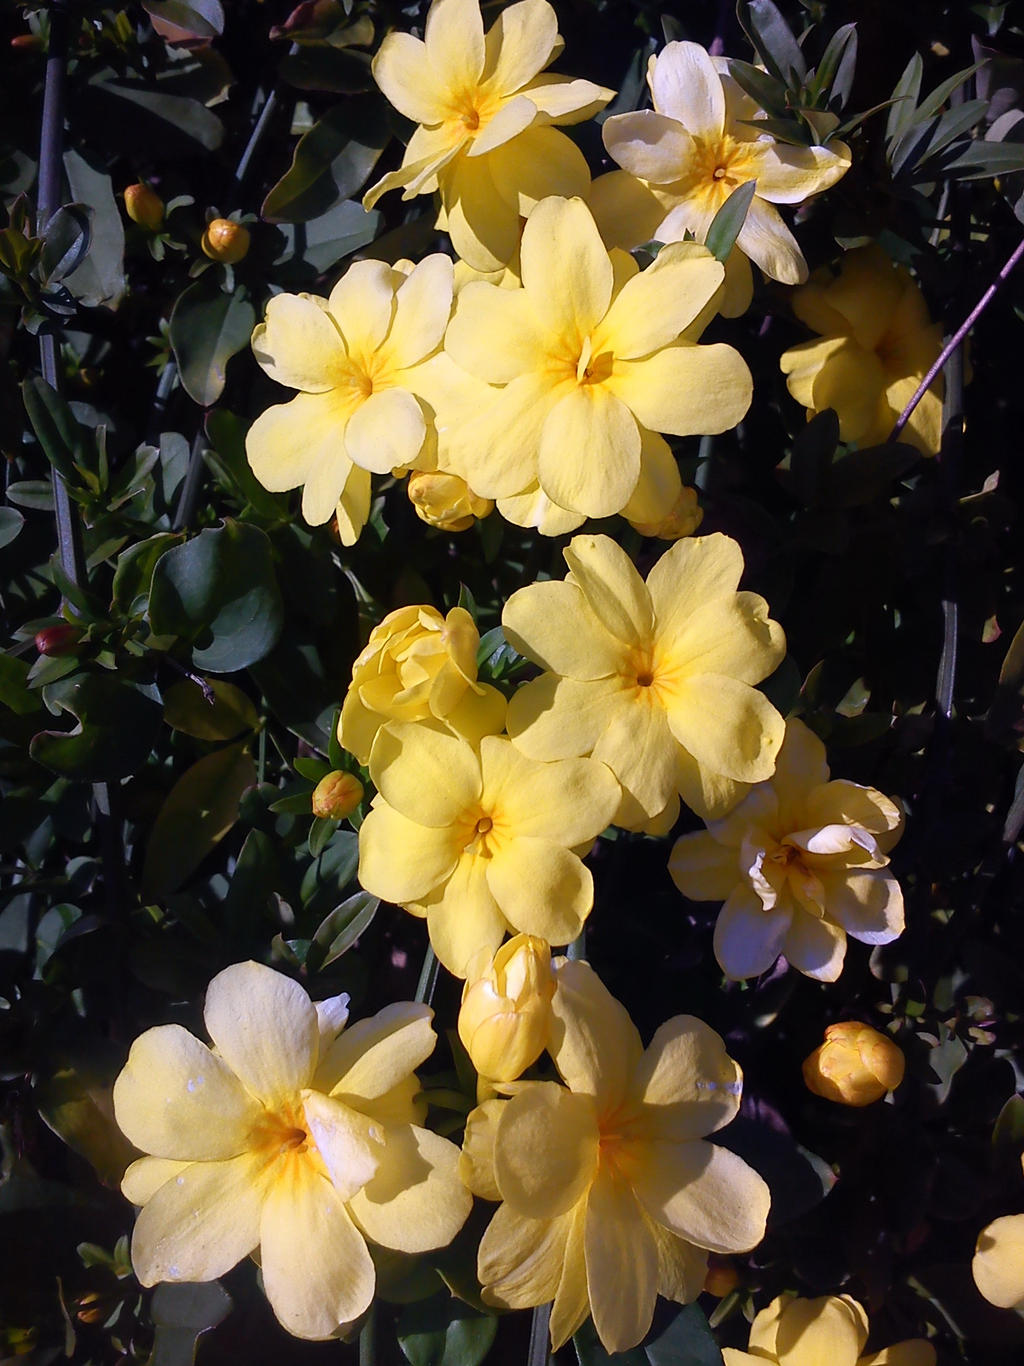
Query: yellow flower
(357,358)
(832,1330)
(855,1065)
(485,112)
(701,141)
(481,840)
(998,1264)
(505,1019)
(655,680)
(800,863)
(445,501)
(683,517)
(418,665)
(226,241)
(876,344)
(589,359)
(610,1193)
(293,1136)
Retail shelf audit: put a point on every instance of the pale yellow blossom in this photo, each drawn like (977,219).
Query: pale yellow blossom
(830,1331)
(856,1065)
(505,1019)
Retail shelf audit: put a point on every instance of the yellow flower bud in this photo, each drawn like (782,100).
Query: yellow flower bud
(682,520)
(225,241)
(855,1065)
(505,1018)
(721,1278)
(337,795)
(144,206)
(446,501)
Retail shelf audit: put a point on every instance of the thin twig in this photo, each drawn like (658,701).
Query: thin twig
(956,339)
(428,978)
(537,1353)
(189,495)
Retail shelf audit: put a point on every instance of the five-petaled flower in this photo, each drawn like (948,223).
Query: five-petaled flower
(481,840)
(654,679)
(832,1329)
(701,141)
(800,863)
(610,1193)
(293,1135)
(358,359)
(485,139)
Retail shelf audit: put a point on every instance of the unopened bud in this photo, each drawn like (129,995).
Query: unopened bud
(505,1019)
(29,42)
(144,206)
(225,241)
(58,640)
(855,1065)
(721,1278)
(446,501)
(337,795)
(683,519)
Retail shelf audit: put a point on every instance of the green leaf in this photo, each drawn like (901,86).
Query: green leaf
(14,689)
(728,221)
(187,117)
(116,728)
(76,1105)
(186,21)
(332,871)
(979,160)
(687,1341)
(180,1314)
(134,572)
(229,714)
(230,464)
(444,1332)
(862,476)
(590,1352)
(207,328)
(905,97)
(773,40)
(340,929)
(331,161)
(99,278)
(765,90)
(66,241)
(835,71)
(325,241)
(31,493)
(253,880)
(54,425)
(219,592)
(198,812)
(335,71)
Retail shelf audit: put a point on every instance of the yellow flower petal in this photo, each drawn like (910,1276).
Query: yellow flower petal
(541,161)
(353,509)
(702,868)
(622,1264)
(614,591)
(476,1164)
(522,41)
(350,1144)
(401,860)
(385,432)
(372,1056)
(765,238)
(203,1221)
(272,1064)
(589,454)
(463,918)
(747,939)
(494,333)
(546,1150)
(541,888)
(686,388)
(624,209)
(298,344)
(660,302)
(650,146)
(568,801)
(533,508)
(916,1352)
(734,637)
(416,1201)
(423,305)
(520,1260)
(787,174)
(682,1268)
(815,947)
(402,71)
(555,718)
(426,773)
(497,454)
(640,749)
(687,1082)
(565,268)
(511,119)
(289,441)
(362,303)
(572,1301)
(176,1099)
(549,622)
(691,573)
(702,1193)
(685,85)
(595,1045)
(998,1265)
(563,99)
(317,1272)
(726,725)
(145,1176)
(483,226)
(868,905)
(833,1328)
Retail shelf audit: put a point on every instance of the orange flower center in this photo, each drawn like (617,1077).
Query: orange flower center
(720,166)
(282,1133)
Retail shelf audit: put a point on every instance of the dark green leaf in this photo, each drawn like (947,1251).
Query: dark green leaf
(180,1314)
(115,732)
(325,241)
(444,1332)
(331,161)
(186,117)
(226,715)
(838,63)
(207,328)
(933,102)
(728,221)
(320,832)
(773,41)
(862,476)
(905,97)
(99,278)
(978,160)
(590,1352)
(134,572)
(54,425)
(66,240)
(333,70)
(31,493)
(332,871)
(687,1341)
(230,464)
(1009,1127)
(767,92)
(342,927)
(219,592)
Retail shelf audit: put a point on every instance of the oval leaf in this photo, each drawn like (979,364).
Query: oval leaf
(207,328)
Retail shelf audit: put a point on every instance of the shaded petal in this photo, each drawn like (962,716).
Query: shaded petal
(833,1328)
(265,1028)
(594,1043)
(324,487)
(686,389)
(533,508)
(317,1272)
(350,1144)
(589,454)
(362,303)
(689,574)
(203,1221)
(416,1201)
(640,749)
(423,305)
(726,725)
(557,718)
(386,431)
(624,209)
(401,860)
(465,918)
(702,1193)
(353,509)
(482,224)
(520,42)
(815,947)
(567,99)
(497,454)
(845,803)
(653,147)
(614,591)
(553,624)
(867,903)
(495,333)
(145,1176)
(659,303)
(541,888)
(703,868)
(705,792)
(749,939)
(688,1083)
(298,344)
(685,85)
(545,1150)
(622,1264)
(426,773)
(682,1268)
(476,1164)
(510,120)
(454,37)
(403,72)
(998,1264)
(539,163)
(915,1352)
(565,268)
(373,1056)
(765,238)
(175,1098)
(520,1260)
(800,767)
(572,1300)
(568,801)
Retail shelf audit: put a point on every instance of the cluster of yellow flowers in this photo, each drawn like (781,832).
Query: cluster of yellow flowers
(541,373)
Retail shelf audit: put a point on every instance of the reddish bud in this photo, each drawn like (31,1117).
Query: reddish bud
(58,640)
